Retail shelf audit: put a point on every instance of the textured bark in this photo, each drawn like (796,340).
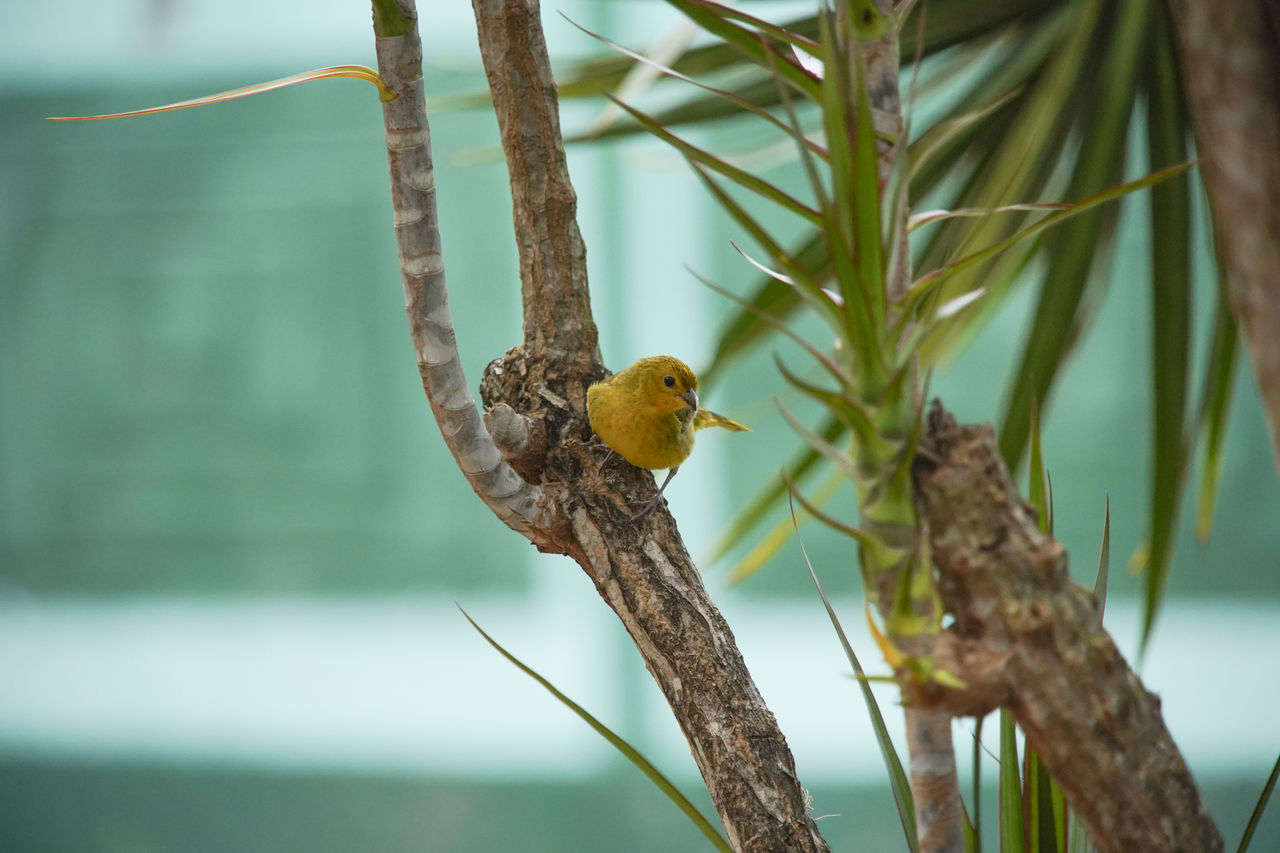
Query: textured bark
(553,266)
(1230,58)
(1025,637)
(534,466)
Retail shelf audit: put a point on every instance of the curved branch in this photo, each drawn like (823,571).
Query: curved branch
(413,193)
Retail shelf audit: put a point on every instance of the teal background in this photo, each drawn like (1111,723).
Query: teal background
(207,393)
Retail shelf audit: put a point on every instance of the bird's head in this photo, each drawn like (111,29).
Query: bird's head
(669,382)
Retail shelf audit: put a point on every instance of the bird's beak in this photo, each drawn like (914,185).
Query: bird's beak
(691,397)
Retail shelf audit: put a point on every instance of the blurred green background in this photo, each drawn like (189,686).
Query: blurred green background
(231,540)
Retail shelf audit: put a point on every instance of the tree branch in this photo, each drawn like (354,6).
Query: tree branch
(1231,64)
(413,195)
(1025,637)
(559,498)
(553,259)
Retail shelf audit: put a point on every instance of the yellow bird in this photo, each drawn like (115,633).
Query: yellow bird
(648,414)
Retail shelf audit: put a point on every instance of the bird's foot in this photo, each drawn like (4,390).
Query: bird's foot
(602,446)
(645,508)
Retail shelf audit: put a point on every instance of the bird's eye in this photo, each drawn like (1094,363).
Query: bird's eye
(669,381)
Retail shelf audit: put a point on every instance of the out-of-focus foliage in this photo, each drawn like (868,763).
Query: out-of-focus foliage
(1028,101)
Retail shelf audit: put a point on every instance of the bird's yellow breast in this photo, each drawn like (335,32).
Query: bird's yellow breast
(638,431)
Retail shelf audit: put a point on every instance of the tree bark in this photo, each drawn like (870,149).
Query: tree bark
(533,464)
(1230,58)
(1026,638)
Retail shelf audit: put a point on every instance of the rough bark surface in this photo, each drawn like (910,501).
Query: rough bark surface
(1230,58)
(1025,637)
(641,570)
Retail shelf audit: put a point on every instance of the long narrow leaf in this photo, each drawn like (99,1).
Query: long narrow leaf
(1073,250)
(800,282)
(745,329)
(1084,205)
(1037,495)
(976,846)
(848,410)
(827,302)
(1214,410)
(598,75)
(800,466)
(830,366)
(782,33)
(746,105)
(860,332)
(1011,814)
(358,72)
(893,765)
(1170,315)
(739,176)
(944,133)
(1104,561)
(927,217)
(660,781)
(833,454)
(1039,805)
(1261,806)
(867,231)
(1053,59)
(860,536)
(780,534)
(750,43)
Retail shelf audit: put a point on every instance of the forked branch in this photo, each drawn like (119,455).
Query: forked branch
(548,487)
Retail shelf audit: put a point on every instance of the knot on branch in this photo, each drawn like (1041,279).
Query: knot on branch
(510,430)
(535,409)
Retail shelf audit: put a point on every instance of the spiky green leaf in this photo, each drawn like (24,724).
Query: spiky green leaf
(655,776)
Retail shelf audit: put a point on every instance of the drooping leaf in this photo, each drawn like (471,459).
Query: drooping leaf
(356,72)
(661,782)
(739,176)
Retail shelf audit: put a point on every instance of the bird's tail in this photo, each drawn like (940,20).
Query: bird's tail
(707,418)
